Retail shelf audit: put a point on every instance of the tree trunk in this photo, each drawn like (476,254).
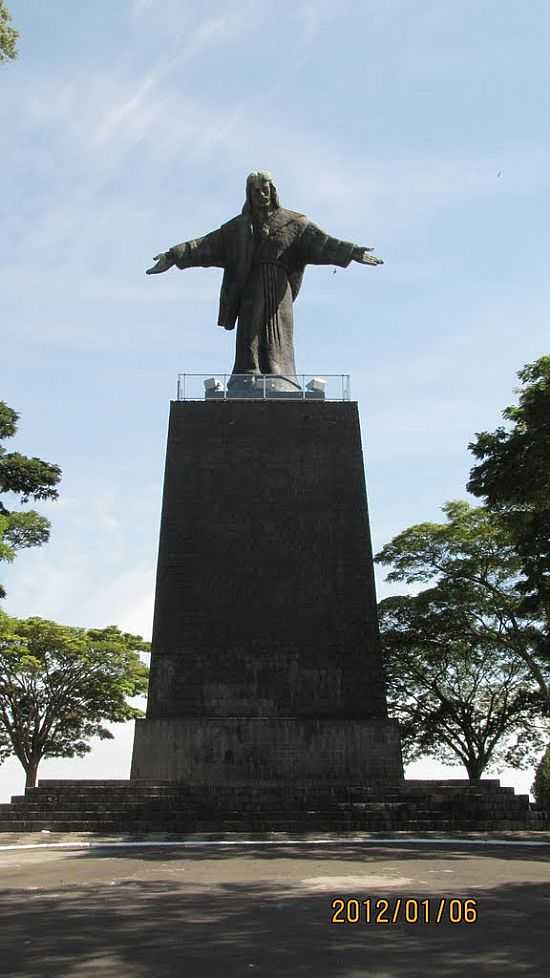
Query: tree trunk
(31,772)
(475,768)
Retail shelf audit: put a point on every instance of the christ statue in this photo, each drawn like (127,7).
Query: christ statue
(263,251)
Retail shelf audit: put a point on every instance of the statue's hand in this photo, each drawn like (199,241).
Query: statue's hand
(164,261)
(364,258)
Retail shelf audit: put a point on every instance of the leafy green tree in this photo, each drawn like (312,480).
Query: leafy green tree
(513,478)
(473,559)
(8,35)
(541,784)
(59,684)
(457,695)
(28,478)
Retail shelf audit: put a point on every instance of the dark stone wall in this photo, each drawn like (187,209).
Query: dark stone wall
(265,601)
(232,750)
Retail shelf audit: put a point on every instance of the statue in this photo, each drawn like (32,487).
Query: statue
(263,251)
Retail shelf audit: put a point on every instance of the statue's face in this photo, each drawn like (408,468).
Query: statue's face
(261,193)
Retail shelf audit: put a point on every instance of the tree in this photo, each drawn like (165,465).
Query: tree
(8,35)
(472,557)
(58,685)
(541,784)
(457,696)
(28,478)
(513,478)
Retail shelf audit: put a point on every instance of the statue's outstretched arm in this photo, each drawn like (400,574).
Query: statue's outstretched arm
(202,252)
(316,247)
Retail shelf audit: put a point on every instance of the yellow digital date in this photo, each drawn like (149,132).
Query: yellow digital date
(379,911)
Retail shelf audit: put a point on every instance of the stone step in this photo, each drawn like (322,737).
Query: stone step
(298,787)
(222,798)
(82,797)
(297,826)
(159,807)
(217,800)
(225,791)
(314,818)
(166,808)
(114,813)
(88,788)
(252,788)
(408,787)
(202,805)
(485,784)
(163,813)
(95,782)
(119,823)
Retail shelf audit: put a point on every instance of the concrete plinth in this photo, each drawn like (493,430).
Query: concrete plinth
(226,750)
(266,657)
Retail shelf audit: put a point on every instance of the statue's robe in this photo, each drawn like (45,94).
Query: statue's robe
(263,270)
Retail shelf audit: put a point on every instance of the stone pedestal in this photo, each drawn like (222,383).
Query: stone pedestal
(266,657)
(229,750)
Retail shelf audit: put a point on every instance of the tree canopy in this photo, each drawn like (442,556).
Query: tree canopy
(457,698)
(468,667)
(513,478)
(474,555)
(8,35)
(59,684)
(27,478)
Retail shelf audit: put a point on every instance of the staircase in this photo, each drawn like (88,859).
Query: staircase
(140,806)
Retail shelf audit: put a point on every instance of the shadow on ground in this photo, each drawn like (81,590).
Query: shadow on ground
(162,928)
(351,852)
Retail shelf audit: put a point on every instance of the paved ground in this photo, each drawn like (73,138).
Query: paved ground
(265,910)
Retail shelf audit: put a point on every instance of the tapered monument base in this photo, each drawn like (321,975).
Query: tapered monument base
(266,661)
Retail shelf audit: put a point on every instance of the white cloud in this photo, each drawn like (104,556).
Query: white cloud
(91,574)
(82,591)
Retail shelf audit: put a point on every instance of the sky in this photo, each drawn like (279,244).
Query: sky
(418,129)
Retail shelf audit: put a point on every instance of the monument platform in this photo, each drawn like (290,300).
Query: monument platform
(266,708)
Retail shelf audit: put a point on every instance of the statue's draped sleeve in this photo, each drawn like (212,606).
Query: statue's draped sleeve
(202,252)
(316,247)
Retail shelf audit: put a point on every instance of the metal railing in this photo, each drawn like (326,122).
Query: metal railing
(223,387)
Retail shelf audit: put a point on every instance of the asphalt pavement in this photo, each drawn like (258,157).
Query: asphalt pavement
(268,908)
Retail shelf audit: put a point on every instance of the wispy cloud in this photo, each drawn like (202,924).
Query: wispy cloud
(90,574)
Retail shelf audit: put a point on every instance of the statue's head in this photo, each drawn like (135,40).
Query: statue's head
(261,192)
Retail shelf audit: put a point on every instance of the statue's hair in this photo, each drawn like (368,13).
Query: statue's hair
(250,180)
